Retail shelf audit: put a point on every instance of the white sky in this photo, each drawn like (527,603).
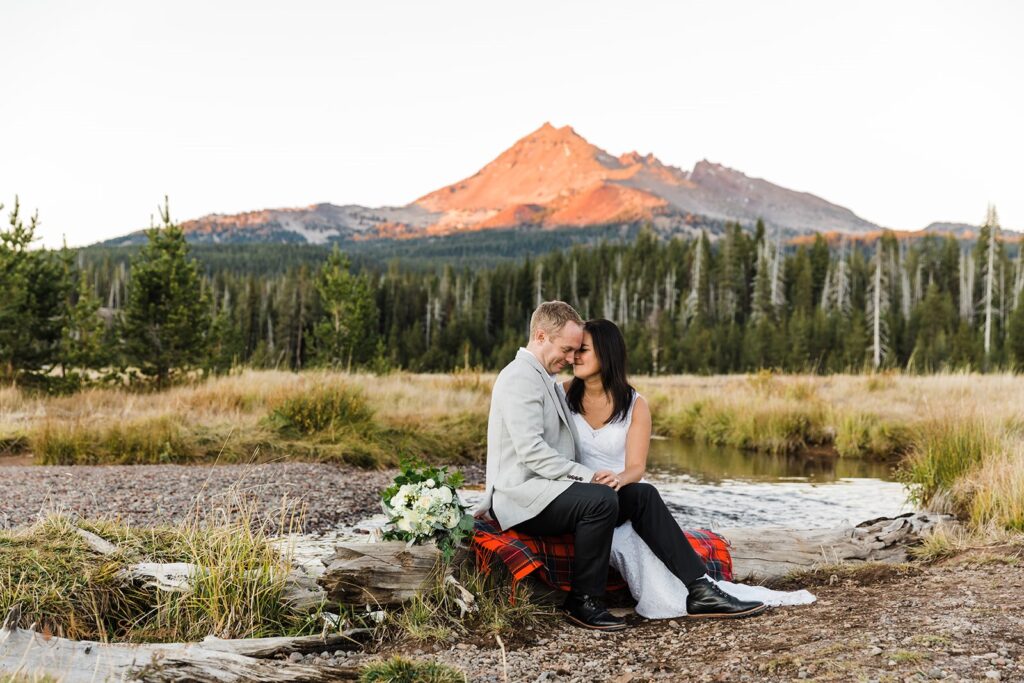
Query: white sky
(905,112)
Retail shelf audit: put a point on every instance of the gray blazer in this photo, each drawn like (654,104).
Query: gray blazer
(532,447)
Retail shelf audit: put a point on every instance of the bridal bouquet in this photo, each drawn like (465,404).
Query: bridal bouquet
(422,505)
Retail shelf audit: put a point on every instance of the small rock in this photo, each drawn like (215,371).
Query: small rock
(295,657)
(892,662)
(325,655)
(994,675)
(802,673)
(674,623)
(339,653)
(875,651)
(937,673)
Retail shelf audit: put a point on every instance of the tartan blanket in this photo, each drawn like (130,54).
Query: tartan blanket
(550,557)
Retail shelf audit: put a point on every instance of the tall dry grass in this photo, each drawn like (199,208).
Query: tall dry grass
(63,586)
(958,434)
(357,418)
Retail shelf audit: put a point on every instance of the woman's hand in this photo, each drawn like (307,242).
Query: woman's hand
(606,477)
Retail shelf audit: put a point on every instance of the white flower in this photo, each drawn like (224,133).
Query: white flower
(403,524)
(444,494)
(429,483)
(453,519)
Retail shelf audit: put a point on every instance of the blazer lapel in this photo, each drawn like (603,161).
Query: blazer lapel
(552,392)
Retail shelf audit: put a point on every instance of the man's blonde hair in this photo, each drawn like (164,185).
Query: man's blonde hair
(551,316)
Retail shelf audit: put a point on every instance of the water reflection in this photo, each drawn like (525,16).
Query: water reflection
(722,487)
(711,464)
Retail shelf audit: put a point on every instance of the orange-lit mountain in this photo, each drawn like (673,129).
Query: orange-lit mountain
(551,178)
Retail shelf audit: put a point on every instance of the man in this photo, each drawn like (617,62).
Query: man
(536,484)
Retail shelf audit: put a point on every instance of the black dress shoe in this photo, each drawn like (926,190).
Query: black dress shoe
(706,600)
(588,611)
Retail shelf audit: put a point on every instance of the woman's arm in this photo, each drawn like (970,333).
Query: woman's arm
(638,443)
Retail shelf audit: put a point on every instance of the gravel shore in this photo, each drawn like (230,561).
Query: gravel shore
(147,495)
(960,620)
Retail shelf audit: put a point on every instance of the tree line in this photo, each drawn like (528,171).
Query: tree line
(746,301)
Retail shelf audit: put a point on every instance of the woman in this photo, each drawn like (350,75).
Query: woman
(614,425)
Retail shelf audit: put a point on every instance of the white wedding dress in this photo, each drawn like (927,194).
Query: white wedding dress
(658,592)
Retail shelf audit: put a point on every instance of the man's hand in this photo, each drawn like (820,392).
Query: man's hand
(606,477)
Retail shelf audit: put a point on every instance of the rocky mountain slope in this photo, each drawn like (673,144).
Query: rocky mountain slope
(551,178)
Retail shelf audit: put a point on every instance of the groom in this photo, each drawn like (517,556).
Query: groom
(536,484)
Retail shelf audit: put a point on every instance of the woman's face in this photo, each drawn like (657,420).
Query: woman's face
(585,363)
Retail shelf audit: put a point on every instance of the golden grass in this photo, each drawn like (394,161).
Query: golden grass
(64,587)
(959,435)
(229,419)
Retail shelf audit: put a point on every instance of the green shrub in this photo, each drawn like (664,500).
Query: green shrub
(148,441)
(324,410)
(399,670)
(943,452)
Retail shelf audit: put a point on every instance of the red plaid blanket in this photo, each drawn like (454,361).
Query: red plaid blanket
(552,555)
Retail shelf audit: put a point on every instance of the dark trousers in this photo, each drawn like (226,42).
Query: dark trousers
(592,511)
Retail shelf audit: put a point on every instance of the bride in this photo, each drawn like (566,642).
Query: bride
(614,425)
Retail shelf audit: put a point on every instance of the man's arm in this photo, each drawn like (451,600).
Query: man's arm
(523,414)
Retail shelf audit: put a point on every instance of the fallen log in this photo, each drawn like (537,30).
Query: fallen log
(378,574)
(765,554)
(210,661)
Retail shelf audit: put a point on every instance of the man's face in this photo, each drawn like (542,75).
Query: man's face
(559,349)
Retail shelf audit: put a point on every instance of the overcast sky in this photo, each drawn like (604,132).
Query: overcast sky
(904,112)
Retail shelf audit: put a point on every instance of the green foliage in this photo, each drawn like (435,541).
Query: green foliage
(734,301)
(347,333)
(448,538)
(34,288)
(943,451)
(142,442)
(66,588)
(400,670)
(327,409)
(166,316)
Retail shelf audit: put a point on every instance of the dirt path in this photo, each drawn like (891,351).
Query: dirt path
(959,620)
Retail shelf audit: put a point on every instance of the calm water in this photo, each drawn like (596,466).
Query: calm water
(723,487)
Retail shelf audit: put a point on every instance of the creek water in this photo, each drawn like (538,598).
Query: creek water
(715,487)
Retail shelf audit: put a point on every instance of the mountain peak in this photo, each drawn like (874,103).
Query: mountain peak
(553,177)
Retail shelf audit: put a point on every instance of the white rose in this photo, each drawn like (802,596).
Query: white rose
(444,495)
(453,519)
(403,524)
(429,483)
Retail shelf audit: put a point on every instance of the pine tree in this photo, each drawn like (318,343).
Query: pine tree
(34,286)
(348,333)
(166,316)
(84,343)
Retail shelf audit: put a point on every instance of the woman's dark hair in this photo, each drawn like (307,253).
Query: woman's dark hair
(610,348)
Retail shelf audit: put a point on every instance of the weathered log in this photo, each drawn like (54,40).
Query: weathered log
(211,661)
(763,554)
(378,574)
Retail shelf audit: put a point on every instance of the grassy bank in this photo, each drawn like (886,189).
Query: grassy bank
(958,436)
(67,588)
(357,419)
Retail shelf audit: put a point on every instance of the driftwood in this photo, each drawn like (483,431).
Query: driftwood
(211,661)
(764,554)
(342,572)
(377,574)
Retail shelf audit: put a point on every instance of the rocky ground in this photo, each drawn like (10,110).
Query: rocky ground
(959,620)
(148,495)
